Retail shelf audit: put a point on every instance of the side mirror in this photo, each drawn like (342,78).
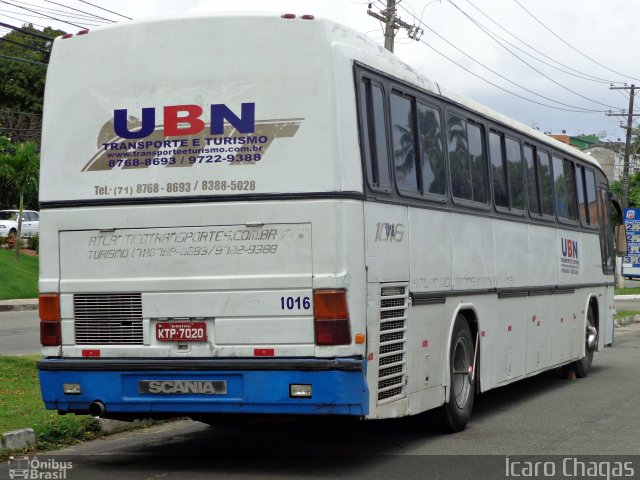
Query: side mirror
(621,241)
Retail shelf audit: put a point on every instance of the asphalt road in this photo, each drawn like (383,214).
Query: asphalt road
(544,415)
(627,305)
(19,332)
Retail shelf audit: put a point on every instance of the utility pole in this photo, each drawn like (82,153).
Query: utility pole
(392,23)
(627,146)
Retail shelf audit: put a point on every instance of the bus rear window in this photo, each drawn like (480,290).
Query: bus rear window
(375,135)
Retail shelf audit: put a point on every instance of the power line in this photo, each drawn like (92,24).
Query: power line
(504,89)
(82,11)
(22,60)
(23,21)
(505,78)
(65,13)
(10,129)
(25,45)
(110,11)
(48,16)
(36,15)
(481,27)
(568,44)
(26,32)
(582,75)
(29,114)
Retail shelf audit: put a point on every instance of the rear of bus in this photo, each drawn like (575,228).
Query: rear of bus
(202,221)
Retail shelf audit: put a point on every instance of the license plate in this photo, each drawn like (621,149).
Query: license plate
(181,332)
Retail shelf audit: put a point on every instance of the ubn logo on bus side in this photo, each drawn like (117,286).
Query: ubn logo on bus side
(569,248)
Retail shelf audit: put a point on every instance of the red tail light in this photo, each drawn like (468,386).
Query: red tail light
(50,332)
(331,316)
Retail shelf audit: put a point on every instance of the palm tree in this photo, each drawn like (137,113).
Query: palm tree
(21,169)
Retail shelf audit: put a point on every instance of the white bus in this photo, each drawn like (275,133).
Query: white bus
(267,214)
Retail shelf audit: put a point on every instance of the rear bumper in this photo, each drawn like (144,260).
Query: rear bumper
(252,386)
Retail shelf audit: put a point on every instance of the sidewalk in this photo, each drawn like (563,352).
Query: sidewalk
(18,305)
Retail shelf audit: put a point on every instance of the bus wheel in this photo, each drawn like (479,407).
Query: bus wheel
(583,365)
(457,410)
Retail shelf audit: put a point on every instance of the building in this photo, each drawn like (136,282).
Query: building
(581,142)
(610,156)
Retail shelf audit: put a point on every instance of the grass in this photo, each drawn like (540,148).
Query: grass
(627,291)
(21,407)
(626,313)
(18,279)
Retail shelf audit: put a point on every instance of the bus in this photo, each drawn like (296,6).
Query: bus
(293,221)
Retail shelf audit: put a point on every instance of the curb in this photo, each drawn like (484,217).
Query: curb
(18,305)
(18,439)
(626,297)
(620,322)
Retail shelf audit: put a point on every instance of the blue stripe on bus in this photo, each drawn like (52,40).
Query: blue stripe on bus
(333,392)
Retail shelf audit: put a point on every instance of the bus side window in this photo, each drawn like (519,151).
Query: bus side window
(606,231)
(583,211)
(498,169)
(592,208)
(545,179)
(375,135)
(433,166)
(466,160)
(403,134)
(532,183)
(565,189)
(515,174)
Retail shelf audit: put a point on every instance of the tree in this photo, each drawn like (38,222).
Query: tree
(23,68)
(633,194)
(21,170)
(22,87)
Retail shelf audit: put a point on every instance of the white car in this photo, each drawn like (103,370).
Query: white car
(9,223)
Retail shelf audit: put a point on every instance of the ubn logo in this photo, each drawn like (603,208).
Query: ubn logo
(569,248)
(185,120)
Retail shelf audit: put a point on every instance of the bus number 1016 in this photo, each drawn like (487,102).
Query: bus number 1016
(295,303)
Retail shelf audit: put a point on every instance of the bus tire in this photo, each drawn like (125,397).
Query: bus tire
(583,365)
(457,410)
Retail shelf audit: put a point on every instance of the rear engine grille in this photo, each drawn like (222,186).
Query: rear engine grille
(392,356)
(399,357)
(108,319)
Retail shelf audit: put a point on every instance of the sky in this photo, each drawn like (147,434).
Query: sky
(586,44)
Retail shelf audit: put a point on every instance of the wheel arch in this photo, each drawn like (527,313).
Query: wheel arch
(592,302)
(470,314)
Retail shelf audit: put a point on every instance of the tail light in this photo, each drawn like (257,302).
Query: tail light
(331,317)
(50,331)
